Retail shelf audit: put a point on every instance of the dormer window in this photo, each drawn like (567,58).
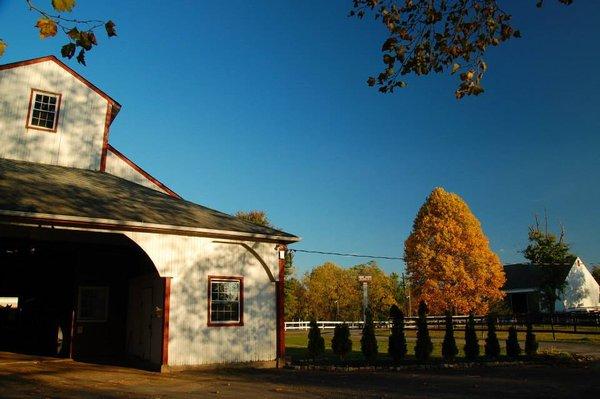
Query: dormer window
(43,110)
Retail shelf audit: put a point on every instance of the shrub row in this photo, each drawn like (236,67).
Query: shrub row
(341,344)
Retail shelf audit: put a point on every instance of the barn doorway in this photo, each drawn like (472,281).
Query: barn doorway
(84,295)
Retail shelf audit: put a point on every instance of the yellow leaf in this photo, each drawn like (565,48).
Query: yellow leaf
(47,27)
(2,47)
(455,67)
(63,5)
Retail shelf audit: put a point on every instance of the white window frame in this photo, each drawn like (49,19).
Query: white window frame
(32,109)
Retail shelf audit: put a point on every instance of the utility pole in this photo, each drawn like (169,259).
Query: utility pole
(408,296)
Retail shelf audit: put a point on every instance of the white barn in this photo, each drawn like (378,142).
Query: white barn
(104,261)
(581,291)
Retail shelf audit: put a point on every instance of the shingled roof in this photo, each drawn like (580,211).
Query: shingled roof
(68,196)
(521,276)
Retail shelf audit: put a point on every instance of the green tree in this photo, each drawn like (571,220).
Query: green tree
(368,341)
(424,346)
(341,344)
(547,251)
(449,348)
(531,345)
(440,36)
(397,340)
(545,247)
(79,32)
(471,342)
(316,343)
(448,257)
(492,346)
(513,349)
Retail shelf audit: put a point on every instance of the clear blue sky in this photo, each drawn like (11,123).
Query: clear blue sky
(263,105)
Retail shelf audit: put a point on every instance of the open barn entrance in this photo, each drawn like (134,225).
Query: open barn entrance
(89,296)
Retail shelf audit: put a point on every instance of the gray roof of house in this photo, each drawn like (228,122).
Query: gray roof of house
(35,188)
(530,276)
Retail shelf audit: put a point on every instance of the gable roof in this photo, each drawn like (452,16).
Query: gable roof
(41,194)
(522,276)
(116,107)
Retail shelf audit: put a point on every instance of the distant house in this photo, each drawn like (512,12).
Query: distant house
(523,282)
(99,259)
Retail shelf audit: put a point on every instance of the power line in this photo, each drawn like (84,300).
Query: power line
(346,254)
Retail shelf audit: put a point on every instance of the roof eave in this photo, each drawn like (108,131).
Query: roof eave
(43,219)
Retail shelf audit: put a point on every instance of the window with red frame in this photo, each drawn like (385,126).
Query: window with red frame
(225,301)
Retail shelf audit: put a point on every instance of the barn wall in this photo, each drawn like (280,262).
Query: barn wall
(581,290)
(118,167)
(189,261)
(79,137)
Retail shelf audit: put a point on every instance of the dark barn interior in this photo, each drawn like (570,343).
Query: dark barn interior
(72,289)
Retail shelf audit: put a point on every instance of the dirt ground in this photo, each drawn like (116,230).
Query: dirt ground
(27,377)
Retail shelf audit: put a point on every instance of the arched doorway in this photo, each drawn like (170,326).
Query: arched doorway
(87,295)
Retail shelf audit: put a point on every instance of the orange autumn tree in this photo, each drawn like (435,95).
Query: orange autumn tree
(448,257)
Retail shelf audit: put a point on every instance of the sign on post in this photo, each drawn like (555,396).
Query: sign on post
(365,284)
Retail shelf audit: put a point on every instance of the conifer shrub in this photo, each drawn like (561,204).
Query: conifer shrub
(492,346)
(341,344)
(449,348)
(513,349)
(368,342)
(397,341)
(531,344)
(424,346)
(471,342)
(316,343)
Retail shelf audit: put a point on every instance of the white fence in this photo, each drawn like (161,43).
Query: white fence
(409,323)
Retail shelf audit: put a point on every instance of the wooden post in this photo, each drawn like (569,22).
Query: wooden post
(166,312)
(280,293)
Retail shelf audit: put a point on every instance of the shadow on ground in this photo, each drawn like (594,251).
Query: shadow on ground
(41,378)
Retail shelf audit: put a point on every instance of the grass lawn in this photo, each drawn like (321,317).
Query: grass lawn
(296,342)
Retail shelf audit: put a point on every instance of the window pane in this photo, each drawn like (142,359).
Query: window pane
(225,306)
(92,303)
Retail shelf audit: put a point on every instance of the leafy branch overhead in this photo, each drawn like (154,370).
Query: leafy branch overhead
(80,33)
(438,36)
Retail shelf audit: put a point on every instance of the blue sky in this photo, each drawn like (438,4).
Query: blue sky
(263,105)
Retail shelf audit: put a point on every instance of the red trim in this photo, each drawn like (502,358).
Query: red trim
(166,312)
(226,324)
(105,138)
(55,128)
(72,72)
(281,305)
(143,172)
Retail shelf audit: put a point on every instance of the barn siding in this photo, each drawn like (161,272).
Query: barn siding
(79,138)
(189,261)
(581,290)
(118,167)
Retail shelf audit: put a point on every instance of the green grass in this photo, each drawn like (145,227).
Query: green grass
(296,342)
